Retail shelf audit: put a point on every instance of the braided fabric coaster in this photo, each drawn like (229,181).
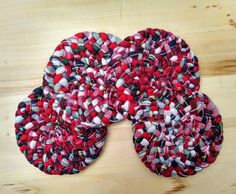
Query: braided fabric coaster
(76,79)
(177,134)
(52,144)
(151,58)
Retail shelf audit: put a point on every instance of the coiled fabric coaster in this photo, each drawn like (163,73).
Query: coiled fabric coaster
(177,134)
(151,58)
(52,144)
(76,79)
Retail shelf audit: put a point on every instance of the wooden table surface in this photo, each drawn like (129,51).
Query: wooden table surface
(30,30)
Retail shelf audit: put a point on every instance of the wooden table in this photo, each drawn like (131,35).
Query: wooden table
(30,30)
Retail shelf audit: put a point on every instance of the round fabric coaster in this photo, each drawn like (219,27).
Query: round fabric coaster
(51,144)
(76,78)
(148,59)
(177,134)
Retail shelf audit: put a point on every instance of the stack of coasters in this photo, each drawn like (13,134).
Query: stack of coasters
(94,79)
(61,126)
(177,131)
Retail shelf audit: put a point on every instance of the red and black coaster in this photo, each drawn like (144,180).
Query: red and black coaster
(177,134)
(76,79)
(52,144)
(148,59)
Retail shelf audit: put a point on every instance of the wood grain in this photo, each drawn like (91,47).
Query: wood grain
(29,31)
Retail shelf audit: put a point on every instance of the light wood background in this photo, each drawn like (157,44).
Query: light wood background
(30,30)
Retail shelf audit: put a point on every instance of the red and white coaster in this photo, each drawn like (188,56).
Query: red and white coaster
(76,79)
(178,134)
(52,144)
